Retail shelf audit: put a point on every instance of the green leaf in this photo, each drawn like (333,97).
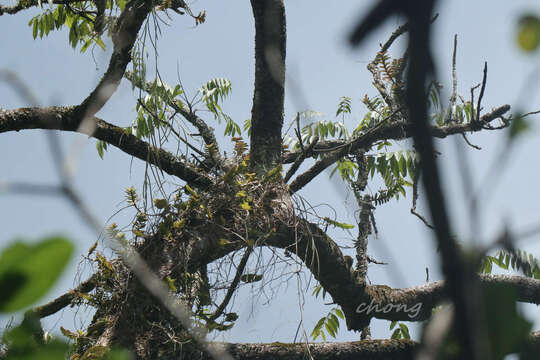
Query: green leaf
(330,329)
(28,271)
(338,224)
(404,331)
(344,106)
(85,46)
(101,146)
(34,28)
(528,37)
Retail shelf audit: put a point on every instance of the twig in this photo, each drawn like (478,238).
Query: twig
(234,284)
(414,199)
(453,97)
(294,167)
(170,128)
(297,132)
(469,143)
(204,130)
(531,113)
(472,101)
(373,261)
(484,80)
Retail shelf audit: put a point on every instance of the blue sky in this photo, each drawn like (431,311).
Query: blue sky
(323,68)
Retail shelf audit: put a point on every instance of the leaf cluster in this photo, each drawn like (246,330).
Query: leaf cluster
(517,260)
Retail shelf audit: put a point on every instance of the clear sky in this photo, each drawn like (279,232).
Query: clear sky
(321,65)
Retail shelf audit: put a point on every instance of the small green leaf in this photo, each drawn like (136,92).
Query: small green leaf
(34,28)
(28,271)
(396,334)
(404,331)
(529,33)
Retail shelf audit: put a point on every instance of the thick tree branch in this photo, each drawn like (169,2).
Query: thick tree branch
(396,130)
(361,302)
(367,349)
(123,37)
(268,95)
(24,5)
(67,119)
(64,300)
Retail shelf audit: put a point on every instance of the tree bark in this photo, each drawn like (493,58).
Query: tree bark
(268,95)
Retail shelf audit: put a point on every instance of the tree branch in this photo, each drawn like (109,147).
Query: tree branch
(268,94)
(395,130)
(24,5)
(123,37)
(64,300)
(66,119)
(234,284)
(367,349)
(360,302)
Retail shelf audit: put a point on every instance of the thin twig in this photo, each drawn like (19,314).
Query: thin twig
(484,80)
(169,126)
(294,167)
(415,198)
(469,143)
(453,97)
(233,286)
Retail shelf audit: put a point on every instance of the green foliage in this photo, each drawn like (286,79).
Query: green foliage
(328,323)
(214,92)
(324,129)
(401,332)
(153,110)
(385,195)
(346,168)
(338,224)
(344,106)
(393,166)
(28,271)
(317,291)
(101,147)
(517,261)
(247,126)
(460,113)
(81,28)
(528,37)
